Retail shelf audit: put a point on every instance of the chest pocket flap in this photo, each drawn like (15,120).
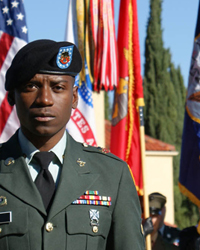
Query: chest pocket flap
(19,224)
(79,220)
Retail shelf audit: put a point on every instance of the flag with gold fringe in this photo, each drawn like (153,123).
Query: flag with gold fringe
(82,122)
(190,153)
(125,135)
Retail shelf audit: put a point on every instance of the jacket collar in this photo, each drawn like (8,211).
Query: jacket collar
(15,176)
(75,179)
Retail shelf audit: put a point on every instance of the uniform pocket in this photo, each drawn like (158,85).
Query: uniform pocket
(19,224)
(13,235)
(79,227)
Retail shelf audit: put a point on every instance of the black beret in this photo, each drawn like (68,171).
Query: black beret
(43,56)
(156,203)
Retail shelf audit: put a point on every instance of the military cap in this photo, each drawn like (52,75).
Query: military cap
(156,203)
(43,56)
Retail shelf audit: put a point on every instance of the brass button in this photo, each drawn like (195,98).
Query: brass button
(0,230)
(49,227)
(95,229)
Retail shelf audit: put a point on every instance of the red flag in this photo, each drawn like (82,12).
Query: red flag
(125,136)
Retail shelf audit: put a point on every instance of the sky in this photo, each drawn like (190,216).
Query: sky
(46,19)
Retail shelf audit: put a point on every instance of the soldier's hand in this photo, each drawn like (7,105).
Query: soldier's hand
(148,226)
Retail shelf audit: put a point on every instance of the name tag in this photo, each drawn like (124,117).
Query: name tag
(5,217)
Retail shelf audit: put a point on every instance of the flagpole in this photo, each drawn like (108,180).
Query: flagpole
(142,147)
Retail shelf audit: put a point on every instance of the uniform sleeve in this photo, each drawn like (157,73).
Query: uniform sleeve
(126,233)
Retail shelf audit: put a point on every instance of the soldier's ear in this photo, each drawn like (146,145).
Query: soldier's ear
(75,97)
(11,98)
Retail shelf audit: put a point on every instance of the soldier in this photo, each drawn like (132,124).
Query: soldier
(56,193)
(190,237)
(156,204)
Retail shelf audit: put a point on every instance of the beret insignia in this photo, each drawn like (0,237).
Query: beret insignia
(64,57)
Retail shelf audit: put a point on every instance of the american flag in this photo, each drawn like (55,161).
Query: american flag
(13,36)
(81,125)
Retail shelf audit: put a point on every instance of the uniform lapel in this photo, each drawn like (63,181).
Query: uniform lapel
(75,178)
(15,177)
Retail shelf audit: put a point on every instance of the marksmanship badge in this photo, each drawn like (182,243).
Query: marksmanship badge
(64,57)
(94,217)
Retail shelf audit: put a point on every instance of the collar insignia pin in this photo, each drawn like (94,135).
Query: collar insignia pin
(3,201)
(9,161)
(81,163)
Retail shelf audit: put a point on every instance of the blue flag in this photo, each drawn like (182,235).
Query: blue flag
(189,178)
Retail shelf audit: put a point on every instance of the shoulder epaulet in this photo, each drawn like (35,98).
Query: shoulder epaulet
(100,150)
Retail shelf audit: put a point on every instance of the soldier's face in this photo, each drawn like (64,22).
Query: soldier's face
(156,222)
(44,105)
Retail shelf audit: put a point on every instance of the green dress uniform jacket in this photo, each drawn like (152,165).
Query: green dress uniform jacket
(171,234)
(69,226)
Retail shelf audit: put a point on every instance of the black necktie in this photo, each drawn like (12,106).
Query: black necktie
(44,180)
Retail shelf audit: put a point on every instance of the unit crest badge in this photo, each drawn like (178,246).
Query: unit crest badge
(64,57)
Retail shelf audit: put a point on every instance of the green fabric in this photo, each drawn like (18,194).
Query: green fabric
(119,224)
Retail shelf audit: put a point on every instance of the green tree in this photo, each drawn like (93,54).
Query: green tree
(164,94)
(153,72)
(159,94)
